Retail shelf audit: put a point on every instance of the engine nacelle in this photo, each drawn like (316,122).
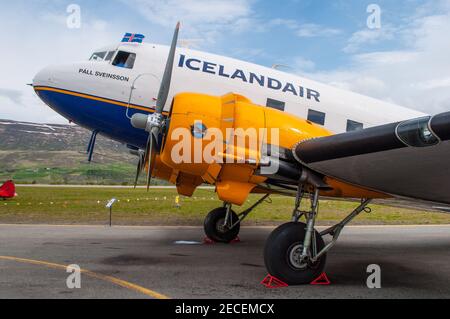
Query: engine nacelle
(222,141)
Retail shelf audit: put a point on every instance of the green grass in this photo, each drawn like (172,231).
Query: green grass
(99,174)
(137,207)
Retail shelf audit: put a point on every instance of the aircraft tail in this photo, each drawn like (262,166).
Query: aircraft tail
(8,190)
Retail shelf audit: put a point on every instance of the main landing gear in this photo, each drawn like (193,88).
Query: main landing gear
(222,225)
(295,252)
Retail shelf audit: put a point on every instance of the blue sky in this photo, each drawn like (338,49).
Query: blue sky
(257,39)
(405,61)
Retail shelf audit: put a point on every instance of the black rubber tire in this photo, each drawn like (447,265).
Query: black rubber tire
(212,222)
(277,255)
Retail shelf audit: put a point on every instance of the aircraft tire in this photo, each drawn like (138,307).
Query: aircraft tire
(214,226)
(282,246)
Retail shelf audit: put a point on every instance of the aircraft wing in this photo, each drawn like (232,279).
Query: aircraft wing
(409,159)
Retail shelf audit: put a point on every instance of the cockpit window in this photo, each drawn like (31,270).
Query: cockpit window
(124,60)
(417,133)
(110,55)
(98,56)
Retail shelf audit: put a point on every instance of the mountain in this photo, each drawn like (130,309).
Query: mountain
(56,154)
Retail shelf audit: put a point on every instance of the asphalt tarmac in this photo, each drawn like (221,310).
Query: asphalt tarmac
(146,262)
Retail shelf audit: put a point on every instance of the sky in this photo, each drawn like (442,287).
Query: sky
(403,57)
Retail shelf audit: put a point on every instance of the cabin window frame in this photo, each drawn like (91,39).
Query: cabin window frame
(276,104)
(124,65)
(358,126)
(314,114)
(111,55)
(98,57)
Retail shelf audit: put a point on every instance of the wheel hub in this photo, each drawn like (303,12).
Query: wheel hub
(220,226)
(296,259)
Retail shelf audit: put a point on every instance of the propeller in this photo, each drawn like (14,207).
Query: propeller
(153,124)
(140,166)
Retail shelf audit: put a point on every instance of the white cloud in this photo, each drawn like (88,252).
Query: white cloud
(433,84)
(305,30)
(206,19)
(366,37)
(44,40)
(288,23)
(14,96)
(303,64)
(166,12)
(311,30)
(377,59)
(417,76)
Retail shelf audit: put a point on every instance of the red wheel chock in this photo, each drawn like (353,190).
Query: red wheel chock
(322,280)
(237,240)
(209,241)
(273,283)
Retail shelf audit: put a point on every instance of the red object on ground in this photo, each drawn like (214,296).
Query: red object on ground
(273,283)
(8,190)
(208,241)
(237,240)
(322,280)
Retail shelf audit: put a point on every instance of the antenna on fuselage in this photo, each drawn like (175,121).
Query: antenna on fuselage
(280,66)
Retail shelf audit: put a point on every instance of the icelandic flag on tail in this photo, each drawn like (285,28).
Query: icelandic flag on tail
(133,38)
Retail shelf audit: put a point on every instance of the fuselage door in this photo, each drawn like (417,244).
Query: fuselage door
(144,90)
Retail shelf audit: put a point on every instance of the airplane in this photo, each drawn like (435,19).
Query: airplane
(330,143)
(8,190)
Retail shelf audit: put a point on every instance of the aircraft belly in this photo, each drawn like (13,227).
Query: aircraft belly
(108,117)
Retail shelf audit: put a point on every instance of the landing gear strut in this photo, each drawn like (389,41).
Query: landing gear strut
(223,225)
(295,252)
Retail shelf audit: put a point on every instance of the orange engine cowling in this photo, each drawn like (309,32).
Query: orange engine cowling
(219,140)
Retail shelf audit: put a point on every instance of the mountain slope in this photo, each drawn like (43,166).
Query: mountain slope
(49,153)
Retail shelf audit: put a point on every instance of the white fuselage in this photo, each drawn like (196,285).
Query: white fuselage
(200,72)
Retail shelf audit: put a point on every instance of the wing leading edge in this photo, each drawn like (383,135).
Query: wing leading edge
(407,159)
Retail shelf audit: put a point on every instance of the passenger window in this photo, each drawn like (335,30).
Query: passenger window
(353,126)
(278,105)
(316,117)
(416,133)
(110,55)
(98,56)
(124,60)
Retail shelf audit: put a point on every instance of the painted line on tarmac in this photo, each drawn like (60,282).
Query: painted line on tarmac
(110,279)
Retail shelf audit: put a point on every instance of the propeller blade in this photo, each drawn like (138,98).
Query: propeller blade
(139,168)
(167,79)
(138,173)
(151,157)
(147,150)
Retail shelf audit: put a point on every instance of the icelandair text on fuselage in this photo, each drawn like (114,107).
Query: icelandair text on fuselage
(248,77)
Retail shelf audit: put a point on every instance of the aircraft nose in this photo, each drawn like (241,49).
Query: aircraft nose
(46,77)
(46,83)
